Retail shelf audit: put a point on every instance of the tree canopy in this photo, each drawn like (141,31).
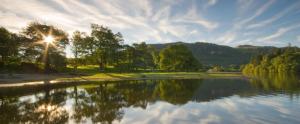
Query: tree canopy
(178,58)
(284,60)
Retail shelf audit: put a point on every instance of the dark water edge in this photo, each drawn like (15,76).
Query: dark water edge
(253,100)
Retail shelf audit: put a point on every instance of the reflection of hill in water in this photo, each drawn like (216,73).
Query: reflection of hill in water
(219,88)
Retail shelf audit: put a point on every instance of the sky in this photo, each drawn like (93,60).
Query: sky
(225,22)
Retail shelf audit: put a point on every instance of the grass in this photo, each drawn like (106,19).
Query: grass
(90,73)
(152,75)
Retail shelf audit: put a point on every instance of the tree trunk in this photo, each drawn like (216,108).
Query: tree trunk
(75,61)
(101,66)
(101,63)
(47,63)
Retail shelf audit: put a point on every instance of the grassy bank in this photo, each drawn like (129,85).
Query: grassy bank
(154,75)
(32,79)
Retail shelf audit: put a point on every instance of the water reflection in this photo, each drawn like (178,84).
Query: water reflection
(288,83)
(155,101)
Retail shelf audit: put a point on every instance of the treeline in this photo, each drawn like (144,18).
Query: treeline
(281,60)
(30,50)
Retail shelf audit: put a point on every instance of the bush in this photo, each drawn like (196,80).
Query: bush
(1,65)
(30,67)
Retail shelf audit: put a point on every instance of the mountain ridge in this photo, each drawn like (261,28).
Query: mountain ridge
(214,54)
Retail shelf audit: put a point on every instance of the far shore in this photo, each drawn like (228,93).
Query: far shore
(17,80)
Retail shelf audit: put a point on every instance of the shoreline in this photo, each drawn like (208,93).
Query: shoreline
(20,80)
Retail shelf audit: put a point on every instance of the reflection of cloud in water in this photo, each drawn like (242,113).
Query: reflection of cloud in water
(266,109)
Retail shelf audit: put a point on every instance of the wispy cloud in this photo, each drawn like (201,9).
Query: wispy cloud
(210,3)
(273,18)
(227,38)
(158,21)
(278,33)
(192,16)
(257,13)
(244,5)
(233,34)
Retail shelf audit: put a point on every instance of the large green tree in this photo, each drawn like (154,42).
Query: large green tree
(143,56)
(103,45)
(78,46)
(36,50)
(9,45)
(177,57)
(138,56)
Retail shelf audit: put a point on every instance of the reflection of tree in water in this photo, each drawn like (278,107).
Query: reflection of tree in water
(9,110)
(177,91)
(101,104)
(43,108)
(46,109)
(289,83)
(137,93)
(104,102)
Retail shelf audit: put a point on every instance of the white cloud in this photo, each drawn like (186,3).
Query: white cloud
(144,20)
(192,16)
(244,5)
(278,33)
(232,34)
(257,13)
(274,18)
(210,3)
(138,20)
(194,32)
(227,38)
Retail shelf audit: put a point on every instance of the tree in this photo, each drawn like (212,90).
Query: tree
(9,44)
(78,43)
(284,60)
(103,45)
(178,58)
(137,56)
(42,51)
(128,59)
(143,56)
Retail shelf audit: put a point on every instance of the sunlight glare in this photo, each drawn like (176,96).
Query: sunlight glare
(48,39)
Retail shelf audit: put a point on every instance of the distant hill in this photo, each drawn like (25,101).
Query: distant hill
(213,54)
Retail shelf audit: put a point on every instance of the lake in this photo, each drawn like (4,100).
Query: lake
(233,101)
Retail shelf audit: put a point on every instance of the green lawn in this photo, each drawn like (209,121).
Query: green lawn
(152,75)
(90,72)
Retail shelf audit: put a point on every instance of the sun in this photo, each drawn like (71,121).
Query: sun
(48,39)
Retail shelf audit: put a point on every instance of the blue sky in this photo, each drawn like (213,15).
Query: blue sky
(226,22)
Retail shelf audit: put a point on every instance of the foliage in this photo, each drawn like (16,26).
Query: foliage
(35,50)
(287,82)
(101,47)
(9,43)
(213,54)
(178,58)
(279,61)
(78,44)
(137,56)
(216,68)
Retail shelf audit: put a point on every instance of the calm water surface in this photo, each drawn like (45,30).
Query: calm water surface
(157,101)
